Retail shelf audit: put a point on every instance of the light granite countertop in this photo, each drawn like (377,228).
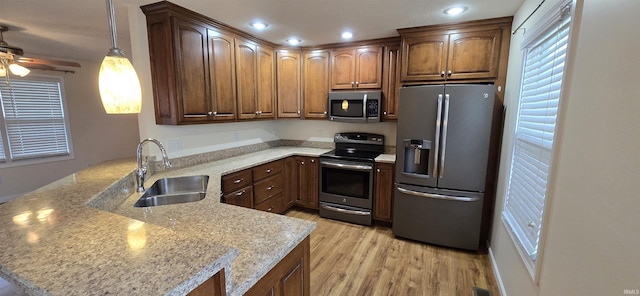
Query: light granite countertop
(81,235)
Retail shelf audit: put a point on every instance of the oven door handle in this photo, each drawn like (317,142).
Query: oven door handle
(352,212)
(357,167)
(438,196)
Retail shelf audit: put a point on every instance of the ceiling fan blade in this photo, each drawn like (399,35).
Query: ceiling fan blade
(37,66)
(33,61)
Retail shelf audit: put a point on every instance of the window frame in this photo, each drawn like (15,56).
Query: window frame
(534,37)
(8,162)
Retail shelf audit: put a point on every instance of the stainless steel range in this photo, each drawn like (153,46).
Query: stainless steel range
(346,177)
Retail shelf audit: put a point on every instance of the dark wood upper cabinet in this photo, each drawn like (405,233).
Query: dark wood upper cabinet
(391,82)
(359,67)
(469,52)
(222,73)
(204,71)
(289,98)
(315,79)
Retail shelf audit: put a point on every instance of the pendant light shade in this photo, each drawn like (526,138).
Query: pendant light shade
(118,82)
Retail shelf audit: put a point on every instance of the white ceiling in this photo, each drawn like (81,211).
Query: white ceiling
(72,29)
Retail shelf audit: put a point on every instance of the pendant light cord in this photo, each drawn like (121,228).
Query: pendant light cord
(112,23)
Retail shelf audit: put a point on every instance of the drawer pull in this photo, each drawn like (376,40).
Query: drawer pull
(238,181)
(241,193)
(268,171)
(270,187)
(270,209)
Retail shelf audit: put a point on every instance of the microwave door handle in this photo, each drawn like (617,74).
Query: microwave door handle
(437,145)
(364,107)
(444,134)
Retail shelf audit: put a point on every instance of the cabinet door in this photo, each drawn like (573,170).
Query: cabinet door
(266,83)
(383,199)
(291,178)
(474,55)
(311,182)
(343,66)
(246,70)
(316,84)
(222,76)
(308,182)
(288,71)
(192,71)
(424,57)
(391,82)
(368,68)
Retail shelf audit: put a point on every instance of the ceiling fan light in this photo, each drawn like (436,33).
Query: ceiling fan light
(18,70)
(3,71)
(119,86)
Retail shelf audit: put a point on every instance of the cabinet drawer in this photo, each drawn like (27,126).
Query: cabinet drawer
(242,197)
(266,170)
(267,188)
(275,204)
(235,181)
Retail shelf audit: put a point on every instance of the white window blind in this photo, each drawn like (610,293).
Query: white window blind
(34,118)
(535,130)
(2,156)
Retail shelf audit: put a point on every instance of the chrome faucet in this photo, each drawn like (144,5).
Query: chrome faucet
(142,169)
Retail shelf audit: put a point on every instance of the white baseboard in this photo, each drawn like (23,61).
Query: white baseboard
(496,272)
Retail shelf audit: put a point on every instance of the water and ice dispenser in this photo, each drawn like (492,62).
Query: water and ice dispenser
(416,156)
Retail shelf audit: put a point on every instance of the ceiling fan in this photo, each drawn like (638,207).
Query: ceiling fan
(12,61)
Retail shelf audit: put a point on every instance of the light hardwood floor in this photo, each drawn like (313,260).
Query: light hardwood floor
(349,259)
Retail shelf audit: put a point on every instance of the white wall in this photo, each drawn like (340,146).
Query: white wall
(193,139)
(96,136)
(592,240)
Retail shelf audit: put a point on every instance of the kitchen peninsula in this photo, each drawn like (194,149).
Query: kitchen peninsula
(81,235)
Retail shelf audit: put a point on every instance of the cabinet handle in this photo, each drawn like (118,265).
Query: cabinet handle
(384,113)
(210,113)
(298,112)
(238,181)
(357,83)
(270,209)
(352,84)
(442,74)
(449,73)
(302,162)
(268,171)
(325,113)
(241,193)
(271,187)
(378,170)
(313,160)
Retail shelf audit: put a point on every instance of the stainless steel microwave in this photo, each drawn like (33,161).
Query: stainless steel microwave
(355,106)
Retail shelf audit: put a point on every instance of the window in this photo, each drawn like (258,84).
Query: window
(544,59)
(33,124)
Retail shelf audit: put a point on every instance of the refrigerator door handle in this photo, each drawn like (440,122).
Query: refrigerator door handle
(437,145)
(444,134)
(438,196)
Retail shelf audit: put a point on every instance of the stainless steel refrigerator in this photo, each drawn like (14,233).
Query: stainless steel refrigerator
(442,154)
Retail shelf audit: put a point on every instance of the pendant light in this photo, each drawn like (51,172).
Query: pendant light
(118,82)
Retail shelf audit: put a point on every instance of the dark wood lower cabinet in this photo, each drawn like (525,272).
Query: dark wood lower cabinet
(290,277)
(307,185)
(214,286)
(383,196)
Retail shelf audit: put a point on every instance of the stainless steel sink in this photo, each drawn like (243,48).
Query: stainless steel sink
(169,191)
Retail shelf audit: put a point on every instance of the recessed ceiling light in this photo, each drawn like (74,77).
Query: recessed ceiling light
(347,35)
(293,41)
(259,25)
(455,10)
